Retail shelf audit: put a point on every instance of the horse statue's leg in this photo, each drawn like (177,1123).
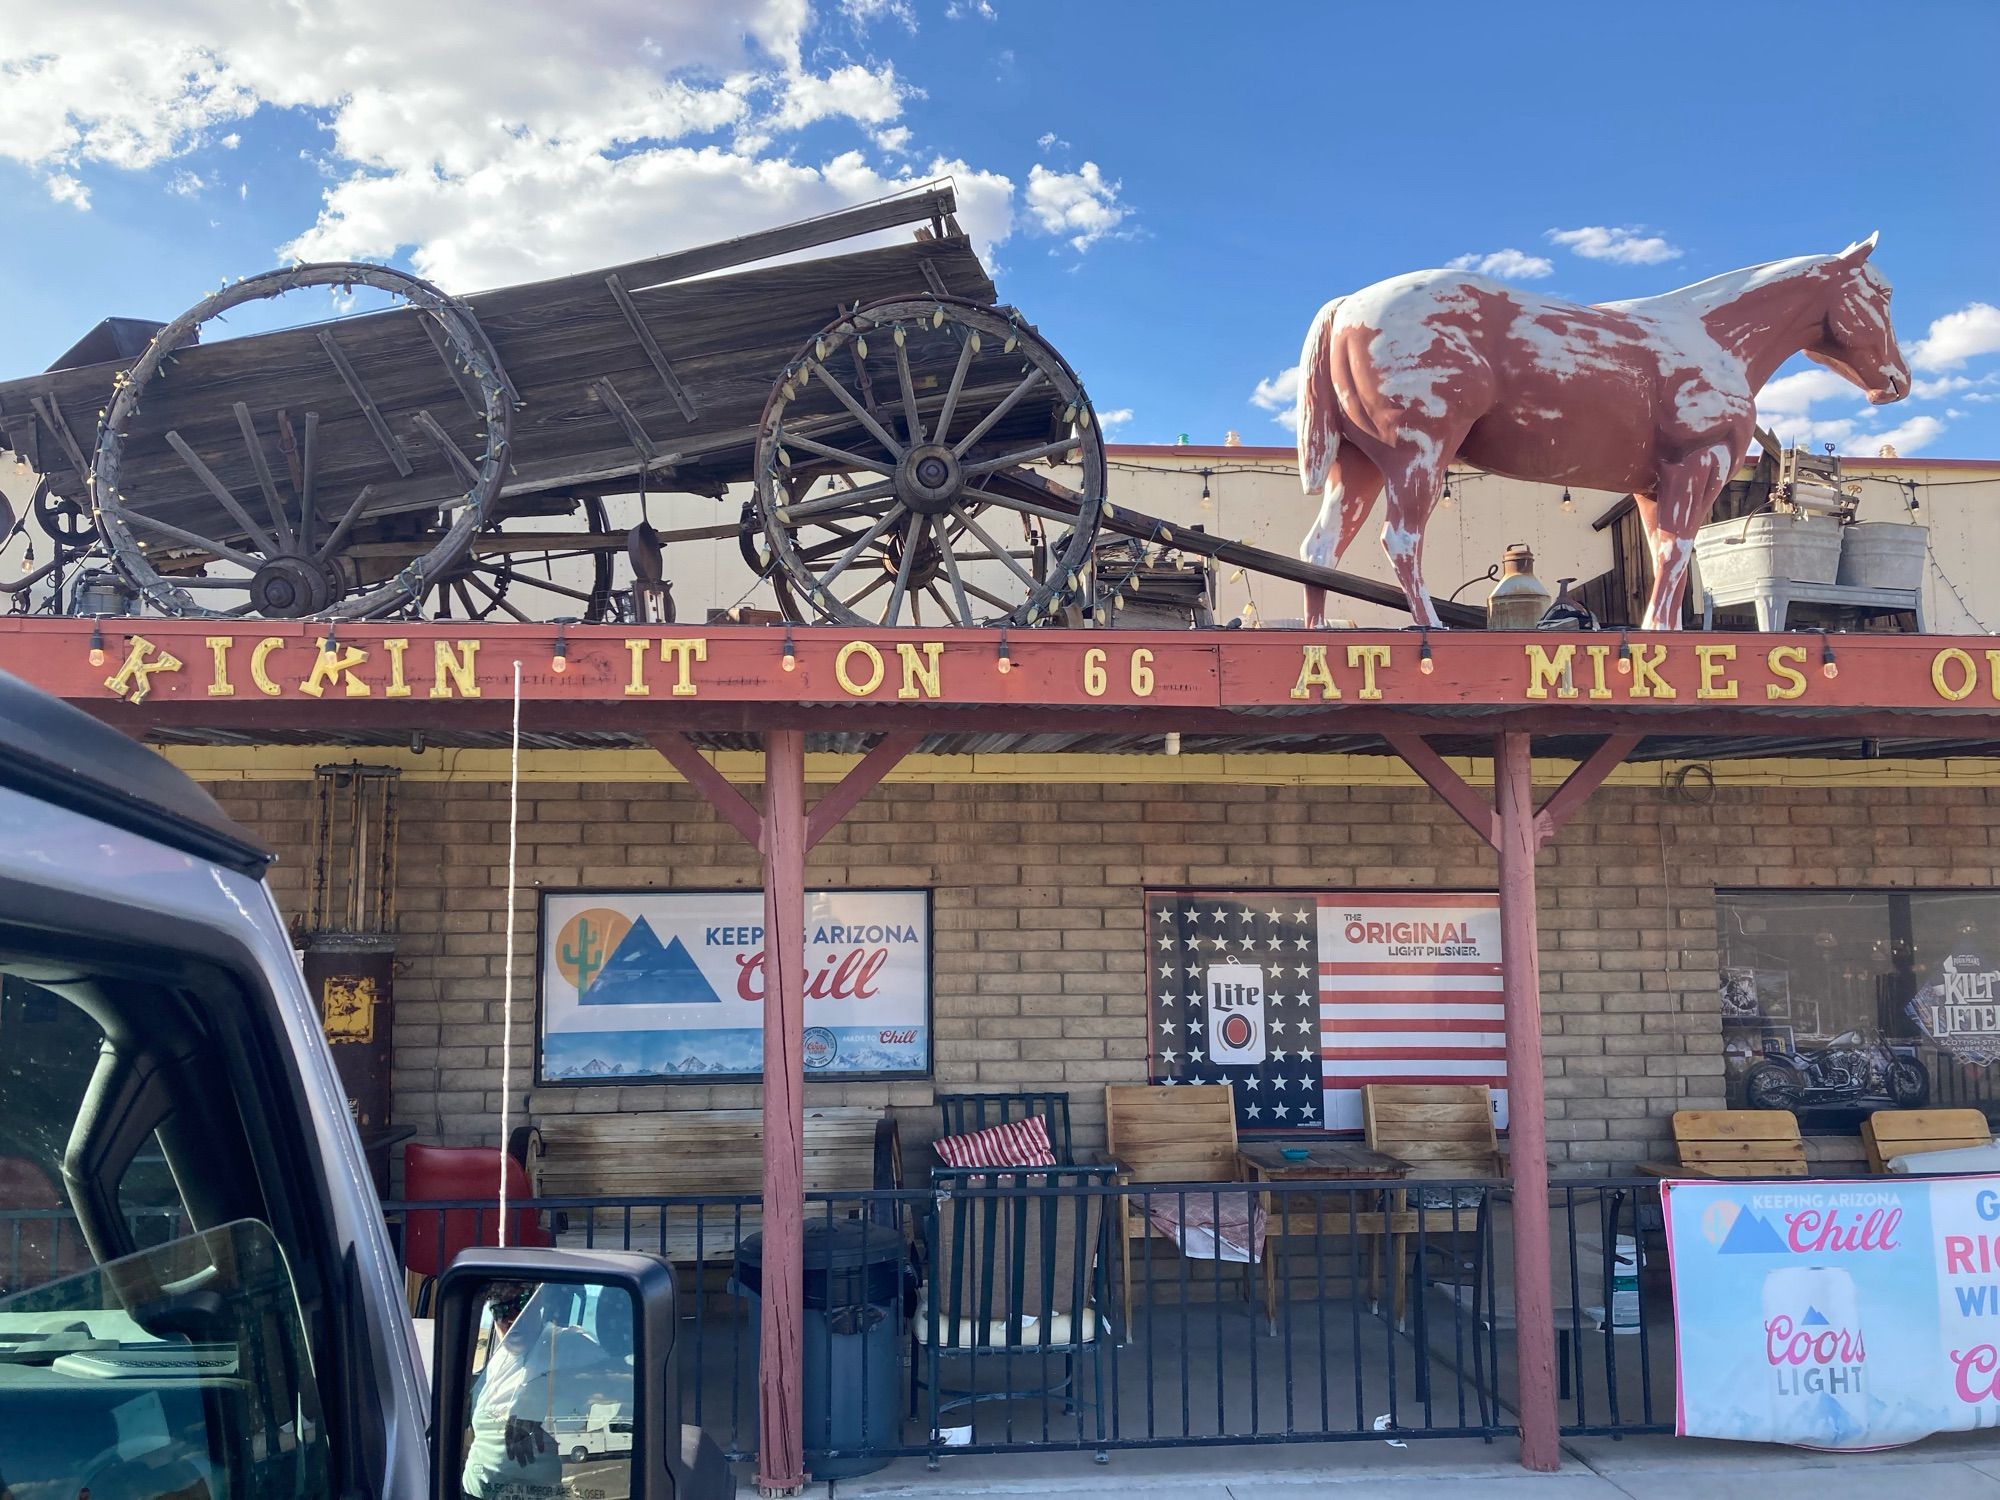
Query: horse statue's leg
(1414,475)
(1350,494)
(1685,496)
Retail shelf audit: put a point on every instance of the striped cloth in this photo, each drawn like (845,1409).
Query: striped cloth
(1018,1143)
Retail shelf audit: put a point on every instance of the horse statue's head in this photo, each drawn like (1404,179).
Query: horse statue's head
(1855,339)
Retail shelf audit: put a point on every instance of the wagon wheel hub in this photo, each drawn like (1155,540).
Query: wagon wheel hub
(928,479)
(289,587)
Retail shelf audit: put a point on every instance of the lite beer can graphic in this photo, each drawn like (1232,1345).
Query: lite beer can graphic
(1236,1014)
(1818,1362)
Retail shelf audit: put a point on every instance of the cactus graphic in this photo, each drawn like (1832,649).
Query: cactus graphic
(585,954)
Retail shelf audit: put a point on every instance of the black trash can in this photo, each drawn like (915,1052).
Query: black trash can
(853,1333)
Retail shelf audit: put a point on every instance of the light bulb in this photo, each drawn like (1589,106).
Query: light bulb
(1424,663)
(1006,665)
(1568,505)
(791,662)
(97,656)
(560,664)
(1829,668)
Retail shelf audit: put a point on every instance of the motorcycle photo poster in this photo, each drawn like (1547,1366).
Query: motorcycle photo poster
(1838,1003)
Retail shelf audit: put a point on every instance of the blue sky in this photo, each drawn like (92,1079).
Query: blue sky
(1169,190)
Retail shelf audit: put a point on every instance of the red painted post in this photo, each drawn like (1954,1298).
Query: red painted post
(1521,969)
(781,1468)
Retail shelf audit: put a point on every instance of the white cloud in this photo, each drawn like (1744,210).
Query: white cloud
(588,132)
(1280,395)
(1081,205)
(1797,429)
(1627,246)
(1794,395)
(231,141)
(867,12)
(1509,264)
(1906,437)
(1958,336)
(1116,417)
(1048,140)
(186,184)
(67,189)
(958,10)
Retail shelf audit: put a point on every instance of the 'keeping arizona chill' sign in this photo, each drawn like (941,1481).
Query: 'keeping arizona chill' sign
(644,985)
(1836,1314)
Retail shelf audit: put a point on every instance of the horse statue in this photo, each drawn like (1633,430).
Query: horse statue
(1655,396)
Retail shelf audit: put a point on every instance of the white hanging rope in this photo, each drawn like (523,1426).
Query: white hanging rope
(507,983)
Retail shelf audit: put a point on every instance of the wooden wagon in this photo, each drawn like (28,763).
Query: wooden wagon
(915,453)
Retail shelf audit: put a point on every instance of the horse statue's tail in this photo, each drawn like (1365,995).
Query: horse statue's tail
(1319,411)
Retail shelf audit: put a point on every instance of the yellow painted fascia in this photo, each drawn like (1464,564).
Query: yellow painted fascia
(236,763)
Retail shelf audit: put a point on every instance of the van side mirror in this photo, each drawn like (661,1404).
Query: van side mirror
(555,1375)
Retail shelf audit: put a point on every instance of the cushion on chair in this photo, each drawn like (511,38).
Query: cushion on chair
(1065,1331)
(1018,1143)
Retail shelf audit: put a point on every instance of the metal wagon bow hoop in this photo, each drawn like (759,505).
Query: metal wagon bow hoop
(293,571)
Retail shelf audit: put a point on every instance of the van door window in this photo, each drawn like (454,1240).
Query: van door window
(151,1340)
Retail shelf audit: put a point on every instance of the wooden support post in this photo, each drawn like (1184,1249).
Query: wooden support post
(701,774)
(1517,829)
(781,1349)
(1521,971)
(633,320)
(377,423)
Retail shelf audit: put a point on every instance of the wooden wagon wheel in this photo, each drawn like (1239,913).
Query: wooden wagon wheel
(892,470)
(288,562)
(506,575)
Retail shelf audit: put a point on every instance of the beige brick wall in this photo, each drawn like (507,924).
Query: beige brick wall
(1039,951)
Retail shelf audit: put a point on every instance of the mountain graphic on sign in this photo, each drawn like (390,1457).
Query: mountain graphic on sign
(1752,1235)
(642,972)
(1814,1318)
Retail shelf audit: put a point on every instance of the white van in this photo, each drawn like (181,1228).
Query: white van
(197,1292)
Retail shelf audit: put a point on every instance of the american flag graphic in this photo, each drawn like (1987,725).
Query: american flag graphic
(1298,999)
(1410,992)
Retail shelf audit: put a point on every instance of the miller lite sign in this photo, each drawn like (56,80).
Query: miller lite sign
(1236,1014)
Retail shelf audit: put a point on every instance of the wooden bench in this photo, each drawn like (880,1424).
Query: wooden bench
(1186,1133)
(694,1153)
(1891,1133)
(1734,1143)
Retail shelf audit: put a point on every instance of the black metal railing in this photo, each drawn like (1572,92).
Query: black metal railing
(1019,1310)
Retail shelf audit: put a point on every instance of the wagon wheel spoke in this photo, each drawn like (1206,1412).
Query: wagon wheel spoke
(496,599)
(847,557)
(950,408)
(1015,460)
(838,455)
(951,571)
(1007,403)
(879,581)
(910,535)
(993,599)
(859,411)
(993,547)
(833,504)
(1026,507)
(190,539)
(910,413)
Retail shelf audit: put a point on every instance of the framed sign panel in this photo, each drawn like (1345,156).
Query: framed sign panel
(650,986)
(1300,998)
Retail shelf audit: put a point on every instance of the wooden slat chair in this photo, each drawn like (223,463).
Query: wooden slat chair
(1186,1133)
(1014,1268)
(1734,1143)
(1443,1130)
(962,1114)
(1890,1133)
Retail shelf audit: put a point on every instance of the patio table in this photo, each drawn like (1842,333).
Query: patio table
(1264,1162)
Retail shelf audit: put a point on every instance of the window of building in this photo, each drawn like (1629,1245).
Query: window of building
(1839,1003)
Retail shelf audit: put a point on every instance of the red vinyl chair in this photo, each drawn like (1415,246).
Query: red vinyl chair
(432,1237)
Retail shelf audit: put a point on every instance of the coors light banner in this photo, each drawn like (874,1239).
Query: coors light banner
(1836,1314)
(640,986)
(1299,999)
